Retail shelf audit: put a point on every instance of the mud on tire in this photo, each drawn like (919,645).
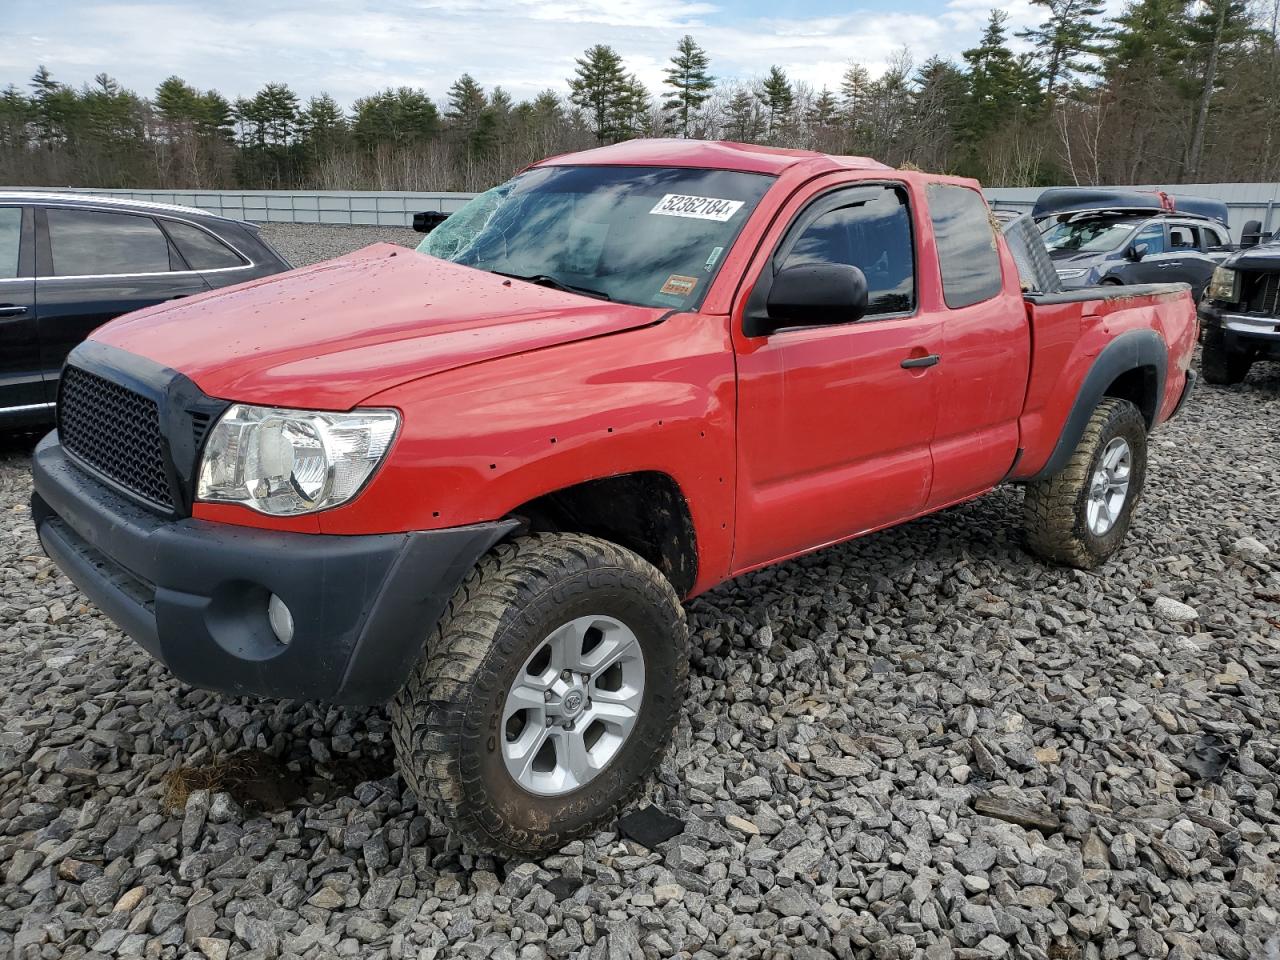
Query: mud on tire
(1055,511)
(447,720)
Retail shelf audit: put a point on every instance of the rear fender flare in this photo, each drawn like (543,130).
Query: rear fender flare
(1131,350)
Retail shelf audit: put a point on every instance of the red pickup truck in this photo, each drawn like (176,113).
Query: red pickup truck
(477,482)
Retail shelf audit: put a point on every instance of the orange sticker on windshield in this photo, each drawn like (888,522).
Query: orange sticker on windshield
(679,286)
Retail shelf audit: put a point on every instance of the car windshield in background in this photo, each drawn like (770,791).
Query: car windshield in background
(1088,236)
(652,236)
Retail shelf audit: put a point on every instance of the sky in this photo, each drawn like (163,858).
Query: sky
(355,47)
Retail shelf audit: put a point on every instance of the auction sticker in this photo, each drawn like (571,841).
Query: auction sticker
(696,208)
(679,286)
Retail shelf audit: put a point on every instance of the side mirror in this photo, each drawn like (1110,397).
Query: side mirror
(811,294)
(1136,252)
(1252,235)
(428,221)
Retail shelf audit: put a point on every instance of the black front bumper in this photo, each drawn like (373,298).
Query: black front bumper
(1251,332)
(195,593)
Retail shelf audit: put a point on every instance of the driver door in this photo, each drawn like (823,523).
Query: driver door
(833,431)
(1153,266)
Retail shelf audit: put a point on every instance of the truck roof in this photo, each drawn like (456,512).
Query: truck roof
(709,155)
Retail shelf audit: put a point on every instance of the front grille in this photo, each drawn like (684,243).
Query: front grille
(1264,298)
(116,432)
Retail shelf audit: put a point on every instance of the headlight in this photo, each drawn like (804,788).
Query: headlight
(1072,274)
(286,462)
(1225,285)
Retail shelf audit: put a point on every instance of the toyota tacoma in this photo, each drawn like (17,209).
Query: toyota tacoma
(477,481)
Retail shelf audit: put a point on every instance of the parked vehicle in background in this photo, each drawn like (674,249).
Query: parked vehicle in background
(1102,236)
(479,482)
(1241,313)
(71,262)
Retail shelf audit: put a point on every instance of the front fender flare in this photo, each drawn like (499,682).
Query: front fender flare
(1131,350)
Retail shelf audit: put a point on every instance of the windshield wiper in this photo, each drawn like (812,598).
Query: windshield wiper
(547,280)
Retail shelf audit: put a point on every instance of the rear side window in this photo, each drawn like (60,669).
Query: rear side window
(92,243)
(1183,236)
(201,249)
(967,252)
(870,228)
(10,241)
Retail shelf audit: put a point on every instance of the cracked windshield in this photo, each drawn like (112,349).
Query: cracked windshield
(640,235)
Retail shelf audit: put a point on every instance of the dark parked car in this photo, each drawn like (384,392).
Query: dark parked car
(1099,236)
(71,262)
(1241,313)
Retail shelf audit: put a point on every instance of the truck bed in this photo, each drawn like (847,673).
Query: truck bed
(1069,331)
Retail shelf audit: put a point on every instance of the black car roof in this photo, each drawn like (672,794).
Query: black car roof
(1056,201)
(124,203)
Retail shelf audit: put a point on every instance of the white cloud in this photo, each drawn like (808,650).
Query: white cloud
(354,47)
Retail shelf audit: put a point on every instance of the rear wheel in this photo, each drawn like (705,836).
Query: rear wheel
(548,693)
(1080,515)
(1221,364)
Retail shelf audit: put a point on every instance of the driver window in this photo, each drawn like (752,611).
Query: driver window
(868,227)
(1153,237)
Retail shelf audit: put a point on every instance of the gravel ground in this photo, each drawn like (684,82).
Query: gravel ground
(922,744)
(304,244)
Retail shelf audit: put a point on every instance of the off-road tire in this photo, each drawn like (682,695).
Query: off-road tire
(446,720)
(1221,365)
(1054,511)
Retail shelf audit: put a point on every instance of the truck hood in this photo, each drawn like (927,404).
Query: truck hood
(1265,256)
(330,335)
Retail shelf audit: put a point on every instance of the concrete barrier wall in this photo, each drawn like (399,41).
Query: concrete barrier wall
(395,208)
(392,208)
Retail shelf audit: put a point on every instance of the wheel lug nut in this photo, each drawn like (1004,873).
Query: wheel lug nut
(548,696)
(566,675)
(586,678)
(551,721)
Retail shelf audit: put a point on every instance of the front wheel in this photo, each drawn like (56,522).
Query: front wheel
(1221,365)
(1080,515)
(547,695)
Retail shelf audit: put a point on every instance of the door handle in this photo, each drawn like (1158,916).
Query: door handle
(12,310)
(912,362)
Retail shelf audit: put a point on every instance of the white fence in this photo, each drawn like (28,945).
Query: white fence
(395,208)
(1245,201)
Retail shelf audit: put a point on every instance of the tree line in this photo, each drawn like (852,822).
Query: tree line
(1168,91)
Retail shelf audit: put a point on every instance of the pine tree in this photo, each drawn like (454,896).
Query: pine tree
(600,86)
(55,106)
(690,82)
(742,117)
(1215,25)
(177,100)
(16,115)
(633,109)
(1066,41)
(998,81)
(778,99)
(321,125)
(400,117)
(470,117)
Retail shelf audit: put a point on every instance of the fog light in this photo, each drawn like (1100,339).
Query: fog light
(281,619)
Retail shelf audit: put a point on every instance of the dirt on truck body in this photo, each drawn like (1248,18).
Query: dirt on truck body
(478,480)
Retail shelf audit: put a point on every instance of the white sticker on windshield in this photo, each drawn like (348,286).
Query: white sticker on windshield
(696,208)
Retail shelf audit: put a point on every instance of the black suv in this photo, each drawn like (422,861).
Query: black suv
(1241,313)
(70,262)
(1104,236)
